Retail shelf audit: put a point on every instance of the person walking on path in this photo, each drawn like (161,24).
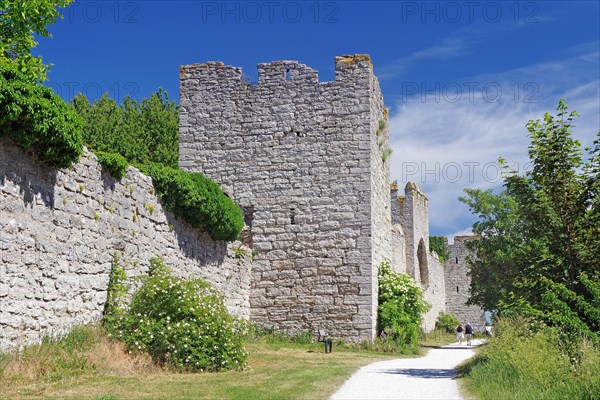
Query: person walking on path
(469,332)
(459,334)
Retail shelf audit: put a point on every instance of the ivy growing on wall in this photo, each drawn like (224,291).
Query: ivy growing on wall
(146,134)
(114,308)
(116,164)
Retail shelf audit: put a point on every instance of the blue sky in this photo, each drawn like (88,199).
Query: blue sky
(461,78)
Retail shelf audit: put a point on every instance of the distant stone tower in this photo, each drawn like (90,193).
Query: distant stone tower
(410,238)
(308,162)
(414,219)
(458,284)
(398,237)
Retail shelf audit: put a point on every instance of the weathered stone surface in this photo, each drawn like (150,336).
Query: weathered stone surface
(57,242)
(458,284)
(410,237)
(305,159)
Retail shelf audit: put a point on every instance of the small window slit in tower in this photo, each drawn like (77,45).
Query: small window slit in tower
(457,260)
(457,289)
(287,74)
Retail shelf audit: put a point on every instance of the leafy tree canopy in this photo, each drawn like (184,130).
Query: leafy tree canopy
(19,21)
(142,132)
(438,244)
(37,119)
(539,251)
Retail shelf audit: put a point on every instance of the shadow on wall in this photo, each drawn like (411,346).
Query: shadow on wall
(189,238)
(40,185)
(37,180)
(423,267)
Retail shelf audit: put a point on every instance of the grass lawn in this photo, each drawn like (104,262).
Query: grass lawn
(276,371)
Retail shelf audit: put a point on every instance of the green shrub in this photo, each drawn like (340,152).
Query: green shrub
(573,313)
(37,119)
(182,324)
(401,306)
(447,322)
(116,164)
(197,200)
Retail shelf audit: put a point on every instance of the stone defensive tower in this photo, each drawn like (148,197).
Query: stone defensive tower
(411,212)
(410,239)
(458,283)
(308,163)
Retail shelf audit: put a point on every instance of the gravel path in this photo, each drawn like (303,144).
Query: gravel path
(429,377)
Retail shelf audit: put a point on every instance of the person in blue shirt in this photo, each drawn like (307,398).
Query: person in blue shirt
(459,334)
(469,332)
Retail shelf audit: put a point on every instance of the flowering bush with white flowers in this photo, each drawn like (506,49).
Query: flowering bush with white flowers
(401,307)
(182,324)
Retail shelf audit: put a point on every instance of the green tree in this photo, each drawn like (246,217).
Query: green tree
(37,119)
(19,21)
(141,132)
(500,250)
(539,246)
(438,244)
(100,122)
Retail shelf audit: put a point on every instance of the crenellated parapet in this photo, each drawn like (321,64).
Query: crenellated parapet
(305,159)
(348,69)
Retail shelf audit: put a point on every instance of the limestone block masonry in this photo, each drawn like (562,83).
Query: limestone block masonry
(307,161)
(435,292)
(458,284)
(411,248)
(59,230)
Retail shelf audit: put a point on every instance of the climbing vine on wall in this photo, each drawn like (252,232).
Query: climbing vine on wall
(114,309)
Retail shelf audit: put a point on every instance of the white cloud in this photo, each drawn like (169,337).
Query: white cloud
(446,146)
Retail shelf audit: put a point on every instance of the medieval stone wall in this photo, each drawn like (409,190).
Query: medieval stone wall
(435,293)
(60,229)
(414,218)
(304,160)
(458,284)
(399,249)
(308,163)
(381,218)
